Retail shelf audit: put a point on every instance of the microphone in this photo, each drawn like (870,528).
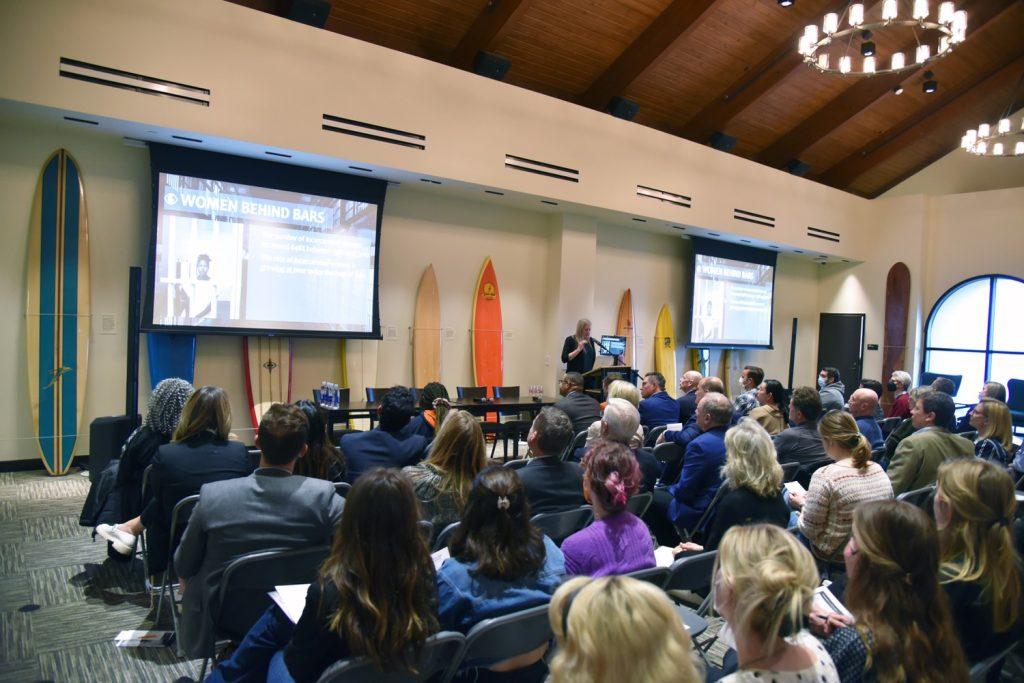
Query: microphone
(600,344)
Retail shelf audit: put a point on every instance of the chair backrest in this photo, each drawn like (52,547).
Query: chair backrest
(241,596)
(654,575)
(179,518)
(789,470)
(709,511)
(652,436)
(807,469)
(928,377)
(561,525)
(427,529)
(506,392)
(342,488)
(376,394)
(920,497)
(439,653)
(577,441)
(889,424)
(495,640)
(692,573)
(639,503)
(671,457)
(442,538)
(971,435)
(145,483)
(1015,394)
(471,393)
(980,671)
(516,464)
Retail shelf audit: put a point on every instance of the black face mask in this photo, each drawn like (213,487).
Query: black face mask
(891,386)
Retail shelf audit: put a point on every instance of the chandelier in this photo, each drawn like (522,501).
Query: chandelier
(1004,138)
(851,50)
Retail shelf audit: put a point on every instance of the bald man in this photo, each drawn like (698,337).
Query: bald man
(862,406)
(688,400)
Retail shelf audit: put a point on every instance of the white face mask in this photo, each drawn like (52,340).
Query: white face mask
(743,382)
(821,382)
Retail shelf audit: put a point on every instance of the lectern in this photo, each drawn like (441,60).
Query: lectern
(594,380)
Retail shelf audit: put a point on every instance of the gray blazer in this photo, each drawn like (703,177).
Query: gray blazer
(268,509)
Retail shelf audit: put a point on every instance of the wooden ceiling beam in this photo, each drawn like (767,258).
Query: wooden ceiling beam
(919,124)
(493,22)
(650,46)
(863,94)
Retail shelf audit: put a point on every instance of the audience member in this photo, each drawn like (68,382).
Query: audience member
(771,411)
(618,425)
(903,629)
(763,584)
(899,386)
(945,385)
(618,630)
(443,480)
(906,427)
(322,460)
(606,385)
(989,390)
(836,489)
(831,389)
(551,484)
(875,386)
(657,408)
(271,508)
(199,453)
(974,507)
(582,409)
(917,458)
(370,599)
(385,446)
(617,542)
(624,390)
(690,430)
(433,402)
(991,417)
(753,479)
(750,378)
(801,442)
(688,399)
(863,403)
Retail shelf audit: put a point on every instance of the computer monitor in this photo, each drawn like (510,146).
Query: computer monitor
(616,345)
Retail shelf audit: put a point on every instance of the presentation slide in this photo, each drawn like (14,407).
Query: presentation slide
(732,302)
(245,257)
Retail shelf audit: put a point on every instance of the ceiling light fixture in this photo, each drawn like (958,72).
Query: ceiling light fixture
(930,85)
(1005,137)
(785,3)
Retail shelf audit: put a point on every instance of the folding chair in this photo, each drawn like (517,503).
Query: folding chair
(889,424)
(693,574)
(143,551)
(495,640)
(495,429)
(971,435)
(577,442)
(705,519)
(920,497)
(179,516)
(517,427)
(639,503)
(789,470)
(671,456)
(652,575)
(516,464)
(342,488)
(808,469)
(559,526)
(439,653)
(442,538)
(652,437)
(980,671)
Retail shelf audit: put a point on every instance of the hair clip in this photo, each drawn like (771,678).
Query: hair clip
(1002,521)
(504,503)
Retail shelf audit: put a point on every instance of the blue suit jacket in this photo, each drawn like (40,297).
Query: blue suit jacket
(364,451)
(689,432)
(868,426)
(687,405)
(658,410)
(699,480)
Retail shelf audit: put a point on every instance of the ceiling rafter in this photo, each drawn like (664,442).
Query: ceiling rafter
(861,95)
(494,21)
(657,39)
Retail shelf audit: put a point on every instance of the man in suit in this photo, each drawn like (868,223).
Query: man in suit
(916,461)
(388,445)
(801,442)
(551,484)
(271,508)
(582,409)
(862,406)
(690,430)
(657,408)
(688,384)
(618,424)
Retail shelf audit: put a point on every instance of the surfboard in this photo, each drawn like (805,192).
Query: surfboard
(171,355)
(665,350)
(57,310)
(426,331)
(268,373)
(360,366)
(897,307)
(624,328)
(487,330)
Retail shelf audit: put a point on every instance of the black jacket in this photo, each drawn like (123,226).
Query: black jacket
(581,363)
(581,409)
(552,485)
(364,451)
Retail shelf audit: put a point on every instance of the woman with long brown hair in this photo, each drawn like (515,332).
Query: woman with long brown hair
(322,460)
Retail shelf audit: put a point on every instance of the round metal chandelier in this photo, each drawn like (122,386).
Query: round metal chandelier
(852,50)
(1004,138)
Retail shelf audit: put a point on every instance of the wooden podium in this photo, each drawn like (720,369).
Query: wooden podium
(594,380)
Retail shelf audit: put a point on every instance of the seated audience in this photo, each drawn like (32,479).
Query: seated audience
(657,408)
(271,508)
(617,542)
(899,386)
(385,446)
(991,417)
(624,390)
(551,484)
(801,442)
(831,390)
(875,386)
(687,400)
(370,599)
(199,453)
(993,390)
(862,406)
(690,430)
(974,507)
(443,480)
(763,583)
(582,409)
(750,379)
(433,405)
(753,479)
(836,489)
(618,425)
(904,428)
(322,460)
(606,384)
(917,458)
(618,630)
(945,385)
(903,630)
(771,411)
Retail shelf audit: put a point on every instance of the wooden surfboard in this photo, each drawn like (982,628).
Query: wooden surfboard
(57,310)
(897,308)
(624,328)
(171,355)
(665,350)
(426,332)
(360,366)
(268,373)
(487,330)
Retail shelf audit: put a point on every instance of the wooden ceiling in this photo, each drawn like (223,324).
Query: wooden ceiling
(700,66)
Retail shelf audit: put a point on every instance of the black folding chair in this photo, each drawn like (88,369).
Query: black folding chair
(921,497)
(889,424)
(652,436)
(516,464)
(671,456)
(971,435)
(639,503)
(577,442)
(559,526)
(495,640)
(789,470)
(653,575)
(440,652)
(442,538)
(808,469)
(693,574)
(342,488)
(179,516)
(705,519)
(495,429)
(517,428)
(980,671)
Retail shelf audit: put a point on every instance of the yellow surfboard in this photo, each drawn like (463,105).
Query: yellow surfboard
(665,350)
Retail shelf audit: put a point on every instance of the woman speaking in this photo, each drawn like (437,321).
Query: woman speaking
(578,351)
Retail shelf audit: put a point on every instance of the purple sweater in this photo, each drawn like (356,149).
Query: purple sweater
(618,544)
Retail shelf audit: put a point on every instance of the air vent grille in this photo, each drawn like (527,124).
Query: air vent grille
(820,234)
(664,196)
(373,131)
(755,218)
(542,168)
(126,80)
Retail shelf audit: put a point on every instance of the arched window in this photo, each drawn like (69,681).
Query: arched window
(977,330)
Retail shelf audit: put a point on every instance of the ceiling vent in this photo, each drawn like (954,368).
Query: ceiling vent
(755,218)
(664,196)
(820,234)
(373,131)
(126,80)
(542,168)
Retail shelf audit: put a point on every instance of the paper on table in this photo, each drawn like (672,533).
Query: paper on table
(794,487)
(439,557)
(664,556)
(291,599)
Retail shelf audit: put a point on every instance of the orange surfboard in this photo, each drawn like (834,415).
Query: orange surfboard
(624,328)
(487,331)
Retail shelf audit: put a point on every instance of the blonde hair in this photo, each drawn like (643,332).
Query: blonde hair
(750,461)
(977,544)
(618,629)
(459,453)
(580,324)
(997,422)
(772,577)
(207,409)
(840,428)
(623,389)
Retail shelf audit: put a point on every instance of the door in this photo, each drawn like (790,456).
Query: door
(841,346)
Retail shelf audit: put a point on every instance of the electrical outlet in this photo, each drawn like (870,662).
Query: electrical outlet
(108,324)
(639,341)
(508,335)
(391,333)
(449,334)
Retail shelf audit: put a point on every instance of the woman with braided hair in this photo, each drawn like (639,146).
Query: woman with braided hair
(618,542)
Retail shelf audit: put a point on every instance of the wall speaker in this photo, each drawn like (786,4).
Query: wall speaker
(490,65)
(797,167)
(310,12)
(621,108)
(722,142)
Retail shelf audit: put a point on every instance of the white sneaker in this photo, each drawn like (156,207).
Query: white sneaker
(123,541)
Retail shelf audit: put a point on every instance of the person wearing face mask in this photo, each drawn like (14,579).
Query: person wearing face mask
(831,389)
(750,379)
(898,386)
